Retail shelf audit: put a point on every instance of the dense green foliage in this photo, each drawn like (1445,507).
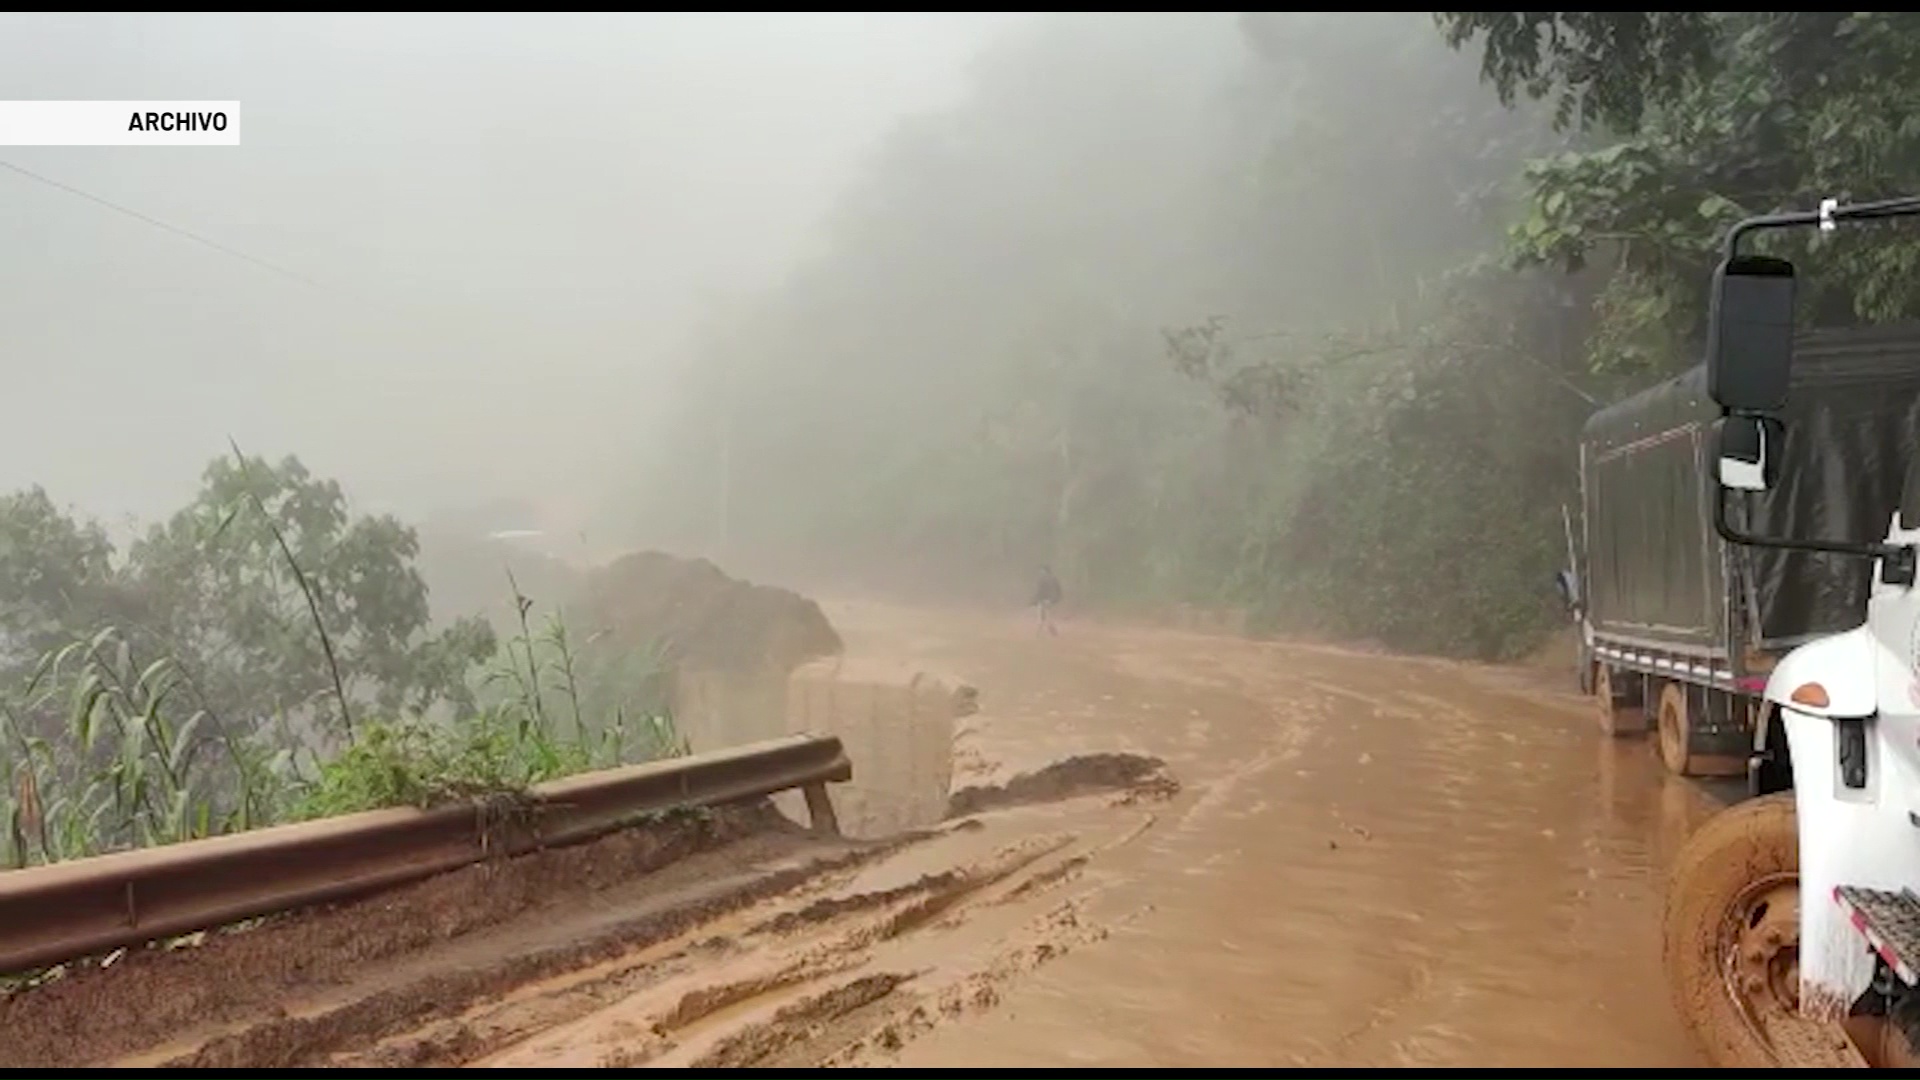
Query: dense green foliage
(230,589)
(1735,113)
(1607,68)
(265,654)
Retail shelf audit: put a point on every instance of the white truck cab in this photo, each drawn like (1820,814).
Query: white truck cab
(1792,928)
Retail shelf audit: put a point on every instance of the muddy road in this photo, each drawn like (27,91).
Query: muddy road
(1346,860)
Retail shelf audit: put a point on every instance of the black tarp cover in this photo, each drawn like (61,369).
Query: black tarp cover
(1656,571)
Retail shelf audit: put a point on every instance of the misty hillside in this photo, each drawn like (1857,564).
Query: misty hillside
(974,374)
(1289,313)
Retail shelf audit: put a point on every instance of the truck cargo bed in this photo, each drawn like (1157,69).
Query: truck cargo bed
(1657,574)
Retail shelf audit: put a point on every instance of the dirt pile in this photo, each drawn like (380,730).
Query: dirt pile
(703,619)
(1085,774)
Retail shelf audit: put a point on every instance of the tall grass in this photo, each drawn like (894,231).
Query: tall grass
(104,750)
(534,727)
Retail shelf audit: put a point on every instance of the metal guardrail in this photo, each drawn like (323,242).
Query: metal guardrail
(53,914)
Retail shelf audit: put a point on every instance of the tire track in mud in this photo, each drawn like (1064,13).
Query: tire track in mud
(318,1031)
(831,948)
(851,974)
(793,986)
(92,1013)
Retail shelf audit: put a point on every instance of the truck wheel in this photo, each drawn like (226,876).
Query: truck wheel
(1676,729)
(1732,942)
(1619,714)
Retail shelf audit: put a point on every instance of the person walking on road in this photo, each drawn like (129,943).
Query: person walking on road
(1047,596)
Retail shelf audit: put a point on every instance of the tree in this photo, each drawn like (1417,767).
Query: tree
(56,572)
(1801,105)
(1606,67)
(234,584)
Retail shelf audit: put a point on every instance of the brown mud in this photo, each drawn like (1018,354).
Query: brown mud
(1082,774)
(149,995)
(1365,861)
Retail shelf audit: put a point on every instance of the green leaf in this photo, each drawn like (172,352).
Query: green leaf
(1716,207)
(183,742)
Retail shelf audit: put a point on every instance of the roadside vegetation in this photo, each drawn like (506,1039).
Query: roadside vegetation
(265,656)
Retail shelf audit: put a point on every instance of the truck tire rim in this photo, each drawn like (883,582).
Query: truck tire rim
(1760,956)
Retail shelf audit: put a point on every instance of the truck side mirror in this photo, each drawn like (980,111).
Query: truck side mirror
(1750,334)
(1748,448)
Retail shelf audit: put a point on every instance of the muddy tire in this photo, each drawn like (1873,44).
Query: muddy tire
(1732,941)
(1675,728)
(1618,714)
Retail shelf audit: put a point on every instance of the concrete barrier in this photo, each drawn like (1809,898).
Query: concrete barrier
(897,724)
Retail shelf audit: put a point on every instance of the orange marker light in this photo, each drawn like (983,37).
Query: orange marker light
(1812,695)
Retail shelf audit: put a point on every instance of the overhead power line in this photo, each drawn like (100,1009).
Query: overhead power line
(186,234)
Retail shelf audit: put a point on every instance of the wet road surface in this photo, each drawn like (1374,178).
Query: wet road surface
(1378,861)
(1369,861)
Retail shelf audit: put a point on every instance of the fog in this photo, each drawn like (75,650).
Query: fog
(1183,305)
(1198,309)
(496,232)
